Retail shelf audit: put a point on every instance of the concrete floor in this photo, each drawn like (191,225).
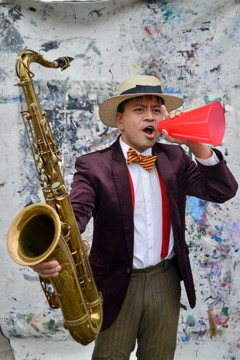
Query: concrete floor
(6,352)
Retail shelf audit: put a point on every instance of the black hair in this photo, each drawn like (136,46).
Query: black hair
(120,107)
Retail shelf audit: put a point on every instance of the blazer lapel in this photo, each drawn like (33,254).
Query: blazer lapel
(167,172)
(121,179)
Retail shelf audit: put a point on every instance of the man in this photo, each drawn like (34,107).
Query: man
(139,254)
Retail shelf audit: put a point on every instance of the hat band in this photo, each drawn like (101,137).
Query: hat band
(143,89)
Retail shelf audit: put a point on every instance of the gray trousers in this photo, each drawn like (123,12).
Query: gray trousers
(149,316)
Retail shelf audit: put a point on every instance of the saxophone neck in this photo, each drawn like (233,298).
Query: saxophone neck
(26,57)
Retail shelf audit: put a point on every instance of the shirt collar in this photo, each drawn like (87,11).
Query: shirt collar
(125,148)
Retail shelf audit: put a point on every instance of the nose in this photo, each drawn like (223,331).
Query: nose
(149,115)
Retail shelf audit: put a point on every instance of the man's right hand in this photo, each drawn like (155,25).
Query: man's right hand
(47,269)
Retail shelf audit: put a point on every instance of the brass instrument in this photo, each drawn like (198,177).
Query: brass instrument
(49,230)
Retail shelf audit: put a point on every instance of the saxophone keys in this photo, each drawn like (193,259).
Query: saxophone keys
(55,304)
(28,116)
(59,191)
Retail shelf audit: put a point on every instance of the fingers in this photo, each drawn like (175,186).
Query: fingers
(166,114)
(172,139)
(175,113)
(166,136)
(164,132)
(47,269)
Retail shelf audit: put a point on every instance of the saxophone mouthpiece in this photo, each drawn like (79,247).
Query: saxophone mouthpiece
(63,62)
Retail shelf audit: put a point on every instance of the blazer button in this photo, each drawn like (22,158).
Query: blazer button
(128,270)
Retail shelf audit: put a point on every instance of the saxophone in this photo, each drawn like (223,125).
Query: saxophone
(49,230)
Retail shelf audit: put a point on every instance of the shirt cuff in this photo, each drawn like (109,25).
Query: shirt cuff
(213,160)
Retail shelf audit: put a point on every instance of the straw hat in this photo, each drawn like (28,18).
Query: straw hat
(139,85)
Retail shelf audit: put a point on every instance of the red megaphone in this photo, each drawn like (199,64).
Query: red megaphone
(205,124)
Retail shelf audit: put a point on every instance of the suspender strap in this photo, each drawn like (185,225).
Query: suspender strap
(165,218)
(132,190)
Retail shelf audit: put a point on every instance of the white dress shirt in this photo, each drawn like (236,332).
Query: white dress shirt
(148,212)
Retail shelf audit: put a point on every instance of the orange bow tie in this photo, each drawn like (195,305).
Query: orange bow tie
(146,162)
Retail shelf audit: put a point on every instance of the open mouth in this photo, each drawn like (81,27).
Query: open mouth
(148,130)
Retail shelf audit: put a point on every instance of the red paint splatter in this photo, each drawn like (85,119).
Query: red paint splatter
(147,30)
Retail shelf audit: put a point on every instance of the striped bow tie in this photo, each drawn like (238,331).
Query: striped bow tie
(146,162)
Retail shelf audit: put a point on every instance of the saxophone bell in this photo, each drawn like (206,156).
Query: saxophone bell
(33,234)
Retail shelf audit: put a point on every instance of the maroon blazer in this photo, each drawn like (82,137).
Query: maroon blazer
(101,189)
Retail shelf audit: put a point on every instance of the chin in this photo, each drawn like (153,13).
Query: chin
(150,142)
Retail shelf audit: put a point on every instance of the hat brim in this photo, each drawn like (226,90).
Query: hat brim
(108,108)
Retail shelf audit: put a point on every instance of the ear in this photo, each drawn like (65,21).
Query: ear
(119,121)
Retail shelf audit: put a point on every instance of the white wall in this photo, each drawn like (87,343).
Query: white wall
(194,48)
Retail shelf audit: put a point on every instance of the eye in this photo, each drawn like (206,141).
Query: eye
(138,109)
(157,110)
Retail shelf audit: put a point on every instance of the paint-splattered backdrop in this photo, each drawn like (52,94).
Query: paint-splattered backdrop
(194,47)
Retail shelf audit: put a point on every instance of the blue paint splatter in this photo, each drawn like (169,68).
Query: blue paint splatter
(196,208)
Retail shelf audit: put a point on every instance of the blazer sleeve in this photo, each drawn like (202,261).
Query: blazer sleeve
(213,183)
(82,194)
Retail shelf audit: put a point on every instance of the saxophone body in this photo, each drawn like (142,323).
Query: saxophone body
(49,230)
